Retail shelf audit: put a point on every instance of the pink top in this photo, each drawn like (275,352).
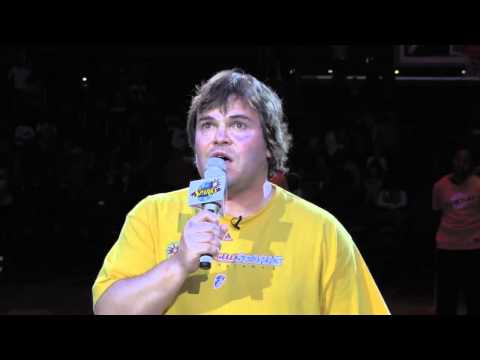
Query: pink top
(460,205)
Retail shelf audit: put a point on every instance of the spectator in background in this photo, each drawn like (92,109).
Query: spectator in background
(309,155)
(8,218)
(25,151)
(378,157)
(314,171)
(388,134)
(46,137)
(295,183)
(138,93)
(353,173)
(370,128)
(26,91)
(19,74)
(7,200)
(457,197)
(46,134)
(332,145)
(393,200)
(358,140)
(373,183)
(178,170)
(335,155)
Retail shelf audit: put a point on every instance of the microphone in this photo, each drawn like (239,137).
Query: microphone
(209,193)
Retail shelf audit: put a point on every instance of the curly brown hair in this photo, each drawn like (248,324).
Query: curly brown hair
(217,92)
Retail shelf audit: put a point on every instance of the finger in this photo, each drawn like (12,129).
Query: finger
(194,235)
(208,249)
(206,227)
(208,239)
(207,216)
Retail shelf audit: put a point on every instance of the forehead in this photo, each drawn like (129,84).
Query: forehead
(233,106)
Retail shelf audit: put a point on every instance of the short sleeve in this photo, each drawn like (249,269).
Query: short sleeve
(348,287)
(133,253)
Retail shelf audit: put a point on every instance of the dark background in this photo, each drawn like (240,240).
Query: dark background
(78,154)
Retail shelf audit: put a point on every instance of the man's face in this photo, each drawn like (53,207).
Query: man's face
(237,136)
(462,163)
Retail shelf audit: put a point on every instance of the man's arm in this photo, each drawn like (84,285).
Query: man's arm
(155,290)
(149,293)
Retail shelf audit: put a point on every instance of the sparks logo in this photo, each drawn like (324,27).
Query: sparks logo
(208,189)
(219,280)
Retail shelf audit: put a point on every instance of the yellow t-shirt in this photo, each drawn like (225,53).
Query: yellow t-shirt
(291,258)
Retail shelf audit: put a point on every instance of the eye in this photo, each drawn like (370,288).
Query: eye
(239,125)
(205,125)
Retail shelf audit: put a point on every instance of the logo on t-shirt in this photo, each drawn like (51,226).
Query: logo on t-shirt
(238,259)
(250,259)
(460,200)
(219,280)
(172,248)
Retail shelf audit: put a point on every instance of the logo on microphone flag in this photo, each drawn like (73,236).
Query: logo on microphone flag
(207,189)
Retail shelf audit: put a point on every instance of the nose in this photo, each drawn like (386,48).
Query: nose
(221,135)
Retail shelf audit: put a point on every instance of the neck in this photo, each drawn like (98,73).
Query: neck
(250,201)
(459,178)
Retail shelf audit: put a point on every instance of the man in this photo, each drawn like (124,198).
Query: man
(274,252)
(457,196)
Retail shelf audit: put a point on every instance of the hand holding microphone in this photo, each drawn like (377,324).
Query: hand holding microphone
(202,233)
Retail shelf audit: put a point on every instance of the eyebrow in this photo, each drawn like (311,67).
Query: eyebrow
(234,117)
(240,116)
(205,118)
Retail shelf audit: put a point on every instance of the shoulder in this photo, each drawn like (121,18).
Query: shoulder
(322,228)
(475,181)
(172,197)
(476,178)
(443,181)
(304,211)
(161,202)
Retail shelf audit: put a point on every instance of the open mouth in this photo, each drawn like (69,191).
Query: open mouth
(223,157)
